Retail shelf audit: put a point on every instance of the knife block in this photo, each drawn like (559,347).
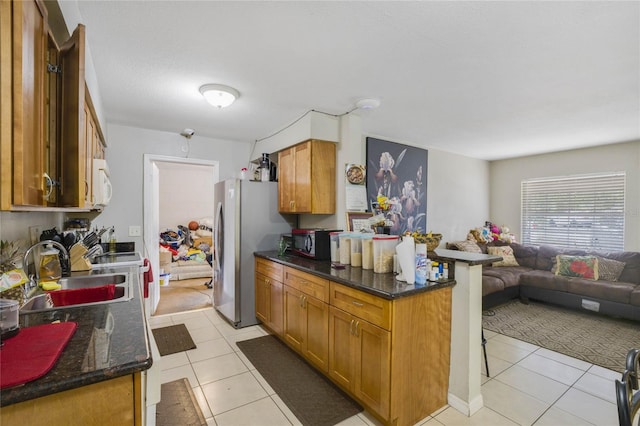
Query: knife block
(78,261)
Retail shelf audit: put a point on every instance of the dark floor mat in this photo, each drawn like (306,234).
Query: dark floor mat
(312,398)
(178,405)
(173,339)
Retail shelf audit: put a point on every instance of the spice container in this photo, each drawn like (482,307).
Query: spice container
(384,247)
(334,238)
(345,248)
(356,250)
(367,251)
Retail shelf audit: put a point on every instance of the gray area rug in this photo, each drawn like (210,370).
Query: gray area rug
(591,337)
(173,339)
(312,398)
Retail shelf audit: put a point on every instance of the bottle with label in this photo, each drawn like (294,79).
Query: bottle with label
(445,271)
(421,264)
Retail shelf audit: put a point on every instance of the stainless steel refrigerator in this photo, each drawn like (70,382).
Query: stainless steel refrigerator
(247,220)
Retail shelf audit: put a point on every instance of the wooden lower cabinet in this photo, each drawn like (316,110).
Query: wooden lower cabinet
(391,355)
(359,359)
(306,326)
(269,302)
(115,402)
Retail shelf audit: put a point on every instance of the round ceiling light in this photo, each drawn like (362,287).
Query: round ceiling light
(219,95)
(368,103)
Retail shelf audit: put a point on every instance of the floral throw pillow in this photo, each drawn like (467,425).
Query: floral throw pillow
(577,266)
(468,245)
(609,269)
(508,258)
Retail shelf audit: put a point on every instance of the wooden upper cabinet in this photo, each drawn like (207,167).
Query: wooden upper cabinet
(73,184)
(307,178)
(24,44)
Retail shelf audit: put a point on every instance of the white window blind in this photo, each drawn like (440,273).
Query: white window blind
(583,212)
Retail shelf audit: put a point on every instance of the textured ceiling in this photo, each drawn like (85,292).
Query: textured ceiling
(484,79)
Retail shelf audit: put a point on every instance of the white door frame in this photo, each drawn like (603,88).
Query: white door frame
(151,204)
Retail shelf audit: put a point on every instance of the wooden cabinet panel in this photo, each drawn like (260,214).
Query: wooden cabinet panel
(307,283)
(294,327)
(269,269)
(307,181)
(269,302)
(316,346)
(341,348)
(363,305)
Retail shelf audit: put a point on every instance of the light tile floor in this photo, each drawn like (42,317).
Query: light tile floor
(528,384)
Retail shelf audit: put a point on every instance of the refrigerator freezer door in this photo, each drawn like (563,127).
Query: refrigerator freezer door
(225,292)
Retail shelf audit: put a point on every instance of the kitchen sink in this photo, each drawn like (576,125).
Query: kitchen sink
(81,291)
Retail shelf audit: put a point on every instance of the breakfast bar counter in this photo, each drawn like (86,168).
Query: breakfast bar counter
(110,346)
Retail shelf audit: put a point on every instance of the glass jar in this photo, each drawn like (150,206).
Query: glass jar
(265,165)
(345,248)
(356,250)
(50,269)
(384,247)
(367,251)
(334,238)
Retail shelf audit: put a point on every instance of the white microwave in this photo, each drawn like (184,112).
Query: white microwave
(102,190)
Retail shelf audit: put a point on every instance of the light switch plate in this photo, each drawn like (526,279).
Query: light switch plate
(135,231)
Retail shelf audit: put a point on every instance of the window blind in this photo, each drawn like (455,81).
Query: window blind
(583,212)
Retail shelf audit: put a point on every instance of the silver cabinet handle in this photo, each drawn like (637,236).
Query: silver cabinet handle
(49,183)
(358,304)
(357,331)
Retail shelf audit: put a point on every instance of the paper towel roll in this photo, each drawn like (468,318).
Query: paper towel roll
(406,257)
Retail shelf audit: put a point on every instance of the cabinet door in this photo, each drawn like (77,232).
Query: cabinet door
(341,348)
(294,327)
(72,162)
(316,345)
(28,162)
(286,181)
(302,154)
(276,307)
(372,366)
(263,298)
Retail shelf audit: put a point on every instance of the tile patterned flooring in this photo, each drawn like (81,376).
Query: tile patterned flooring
(529,385)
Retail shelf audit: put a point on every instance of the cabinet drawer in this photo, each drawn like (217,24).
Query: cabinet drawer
(269,269)
(373,309)
(307,283)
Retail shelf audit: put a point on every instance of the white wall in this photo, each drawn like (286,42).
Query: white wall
(506,176)
(125,151)
(186,194)
(15,225)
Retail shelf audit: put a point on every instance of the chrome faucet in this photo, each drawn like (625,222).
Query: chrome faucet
(25,266)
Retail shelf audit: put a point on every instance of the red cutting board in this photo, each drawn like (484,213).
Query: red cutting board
(32,352)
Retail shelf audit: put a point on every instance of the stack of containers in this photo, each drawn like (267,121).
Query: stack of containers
(384,247)
(367,251)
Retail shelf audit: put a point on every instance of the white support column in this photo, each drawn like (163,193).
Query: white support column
(466,326)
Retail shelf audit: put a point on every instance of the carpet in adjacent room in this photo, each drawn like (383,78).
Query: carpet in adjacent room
(595,338)
(312,398)
(173,339)
(178,405)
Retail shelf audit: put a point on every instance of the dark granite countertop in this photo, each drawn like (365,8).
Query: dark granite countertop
(466,257)
(93,354)
(383,285)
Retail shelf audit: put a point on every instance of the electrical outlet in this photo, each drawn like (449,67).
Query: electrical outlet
(135,231)
(34,233)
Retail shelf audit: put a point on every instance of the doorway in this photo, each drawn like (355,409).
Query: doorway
(193,181)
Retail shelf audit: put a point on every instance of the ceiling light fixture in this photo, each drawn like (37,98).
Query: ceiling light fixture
(368,103)
(219,95)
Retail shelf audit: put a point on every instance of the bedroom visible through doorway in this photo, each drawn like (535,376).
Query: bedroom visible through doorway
(179,193)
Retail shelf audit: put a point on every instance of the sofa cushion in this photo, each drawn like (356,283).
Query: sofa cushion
(631,271)
(506,252)
(609,269)
(491,285)
(547,256)
(634,297)
(467,245)
(509,275)
(544,279)
(606,290)
(525,255)
(577,266)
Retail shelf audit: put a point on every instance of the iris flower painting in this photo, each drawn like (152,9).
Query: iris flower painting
(397,184)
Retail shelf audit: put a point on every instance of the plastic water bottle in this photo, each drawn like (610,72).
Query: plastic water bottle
(421,264)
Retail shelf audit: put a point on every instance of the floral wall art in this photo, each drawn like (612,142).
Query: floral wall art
(397,184)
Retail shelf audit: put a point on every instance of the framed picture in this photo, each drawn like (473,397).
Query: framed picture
(358,220)
(398,174)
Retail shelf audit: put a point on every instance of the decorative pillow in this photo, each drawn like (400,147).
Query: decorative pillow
(508,258)
(468,245)
(609,269)
(577,266)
